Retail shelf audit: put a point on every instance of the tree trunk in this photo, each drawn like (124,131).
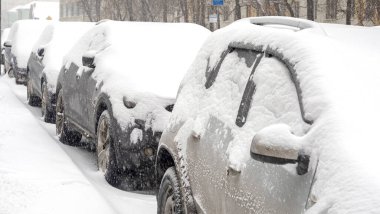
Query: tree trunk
(202,15)
(361,12)
(289,8)
(349,12)
(165,10)
(237,10)
(129,8)
(310,9)
(87,9)
(185,11)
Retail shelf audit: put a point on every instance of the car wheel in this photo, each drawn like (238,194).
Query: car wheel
(46,114)
(11,73)
(169,198)
(105,150)
(33,100)
(65,135)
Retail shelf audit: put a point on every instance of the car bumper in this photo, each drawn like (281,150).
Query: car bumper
(138,147)
(20,75)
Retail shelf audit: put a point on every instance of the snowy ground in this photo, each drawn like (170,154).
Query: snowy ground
(40,175)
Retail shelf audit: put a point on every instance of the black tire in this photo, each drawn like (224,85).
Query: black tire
(49,116)
(65,134)
(33,100)
(169,198)
(111,171)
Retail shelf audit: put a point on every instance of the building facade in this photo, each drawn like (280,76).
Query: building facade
(72,10)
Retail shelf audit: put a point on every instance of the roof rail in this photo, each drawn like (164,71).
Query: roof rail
(286,21)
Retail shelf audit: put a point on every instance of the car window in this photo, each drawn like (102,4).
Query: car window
(245,56)
(270,97)
(223,97)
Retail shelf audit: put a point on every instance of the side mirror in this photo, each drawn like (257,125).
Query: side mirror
(277,145)
(8,44)
(88,59)
(41,52)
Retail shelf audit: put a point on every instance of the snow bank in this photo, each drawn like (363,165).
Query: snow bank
(142,61)
(340,90)
(57,39)
(24,34)
(36,175)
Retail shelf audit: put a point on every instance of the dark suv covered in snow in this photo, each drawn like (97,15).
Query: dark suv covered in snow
(45,62)
(117,88)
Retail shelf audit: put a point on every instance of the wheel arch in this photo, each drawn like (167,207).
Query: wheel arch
(164,160)
(102,104)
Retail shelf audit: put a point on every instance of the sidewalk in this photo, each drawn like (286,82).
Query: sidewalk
(36,175)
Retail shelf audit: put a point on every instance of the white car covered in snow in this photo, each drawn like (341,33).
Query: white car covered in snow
(4,36)
(45,62)
(117,88)
(276,115)
(23,35)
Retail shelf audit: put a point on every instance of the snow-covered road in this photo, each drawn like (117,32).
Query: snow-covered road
(40,175)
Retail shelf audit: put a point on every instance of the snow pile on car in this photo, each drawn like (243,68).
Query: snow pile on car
(140,61)
(57,39)
(24,34)
(340,92)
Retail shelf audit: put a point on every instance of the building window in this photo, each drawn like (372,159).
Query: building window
(61,8)
(78,11)
(297,9)
(331,9)
(72,9)
(67,10)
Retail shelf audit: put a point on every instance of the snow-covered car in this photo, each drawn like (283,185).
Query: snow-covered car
(4,36)
(276,115)
(45,62)
(6,46)
(117,88)
(23,35)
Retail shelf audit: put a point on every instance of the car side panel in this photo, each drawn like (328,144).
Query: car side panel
(71,94)
(88,94)
(35,72)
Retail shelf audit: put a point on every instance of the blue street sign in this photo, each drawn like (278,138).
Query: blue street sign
(217,2)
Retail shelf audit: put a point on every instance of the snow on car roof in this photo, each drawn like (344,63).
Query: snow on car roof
(340,87)
(24,34)
(57,39)
(357,37)
(145,57)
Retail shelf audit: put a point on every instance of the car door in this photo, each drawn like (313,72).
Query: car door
(206,154)
(81,86)
(72,94)
(36,67)
(87,90)
(270,98)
